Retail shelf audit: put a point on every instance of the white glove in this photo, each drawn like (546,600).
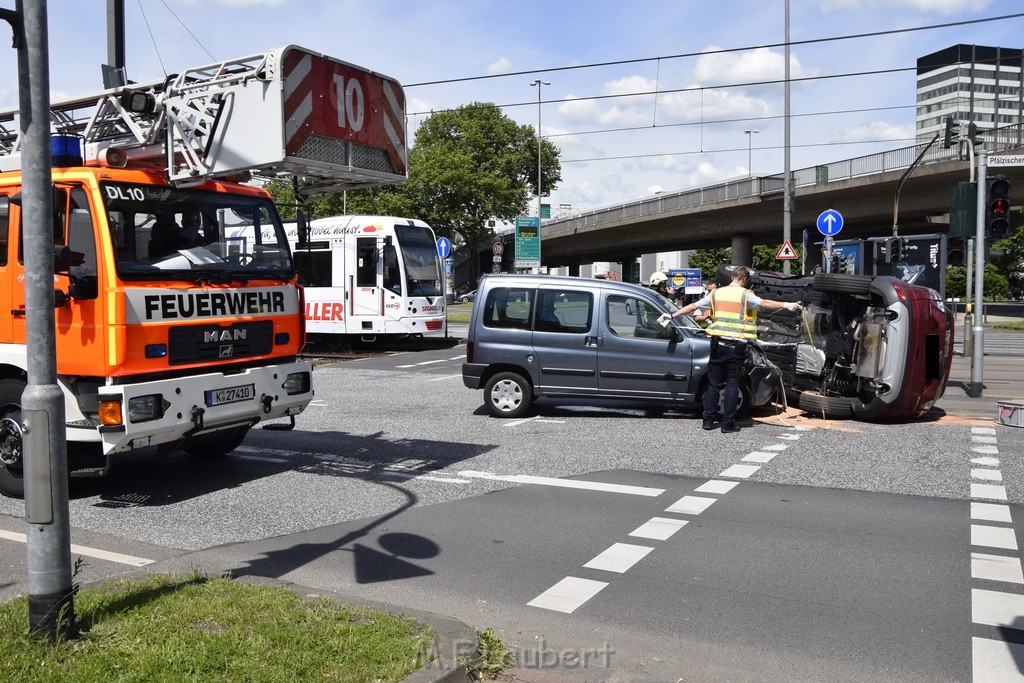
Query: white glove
(663,319)
(793,307)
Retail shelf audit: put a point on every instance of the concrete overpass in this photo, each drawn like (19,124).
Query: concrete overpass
(742,213)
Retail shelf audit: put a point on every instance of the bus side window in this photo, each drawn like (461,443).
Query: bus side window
(392,274)
(366,262)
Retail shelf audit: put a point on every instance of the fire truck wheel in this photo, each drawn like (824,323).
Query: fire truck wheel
(216,448)
(12,483)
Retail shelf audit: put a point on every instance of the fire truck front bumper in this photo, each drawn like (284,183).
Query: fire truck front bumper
(134,416)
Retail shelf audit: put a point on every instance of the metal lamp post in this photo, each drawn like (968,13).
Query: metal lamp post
(539,83)
(750,137)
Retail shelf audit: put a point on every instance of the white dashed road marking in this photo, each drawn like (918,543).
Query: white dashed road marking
(716,486)
(691,505)
(993,536)
(658,528)
(566,483)
(88,552)
(990,491)
(996,661)
(996,568)
(739,471)
(991,512)
(619,557)
(568,594)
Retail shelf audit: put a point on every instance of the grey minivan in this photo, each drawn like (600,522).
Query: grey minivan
(535,335)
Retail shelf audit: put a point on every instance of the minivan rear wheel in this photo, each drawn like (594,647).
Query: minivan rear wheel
(507,394)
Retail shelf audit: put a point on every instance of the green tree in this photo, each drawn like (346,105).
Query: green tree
(467,166)
(1008,257)
(995,284)
(708,260)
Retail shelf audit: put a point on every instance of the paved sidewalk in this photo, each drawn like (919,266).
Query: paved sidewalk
(1002,380)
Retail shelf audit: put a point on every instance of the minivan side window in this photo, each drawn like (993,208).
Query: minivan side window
(564,311)
(633,318)
(510,307)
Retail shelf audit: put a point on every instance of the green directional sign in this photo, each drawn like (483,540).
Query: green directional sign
(527,242)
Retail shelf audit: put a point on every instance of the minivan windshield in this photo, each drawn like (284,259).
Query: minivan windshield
(161,233)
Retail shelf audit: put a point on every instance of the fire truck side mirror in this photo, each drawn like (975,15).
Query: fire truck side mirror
(61,259)
(302,227)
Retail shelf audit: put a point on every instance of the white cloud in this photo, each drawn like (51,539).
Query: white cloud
(870,132)
(499,66)
(752,66)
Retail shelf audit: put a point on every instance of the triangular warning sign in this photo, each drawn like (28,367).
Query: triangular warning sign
(787,252)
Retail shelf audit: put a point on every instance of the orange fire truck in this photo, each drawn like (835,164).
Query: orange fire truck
(179,317)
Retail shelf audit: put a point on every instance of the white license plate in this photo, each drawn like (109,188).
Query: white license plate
(218,397)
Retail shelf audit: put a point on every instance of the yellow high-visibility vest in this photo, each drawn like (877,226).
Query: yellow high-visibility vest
(729,314)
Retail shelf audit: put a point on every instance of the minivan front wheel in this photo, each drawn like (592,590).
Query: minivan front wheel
(507,394)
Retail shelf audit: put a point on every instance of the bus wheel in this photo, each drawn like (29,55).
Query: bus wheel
(12,482)
(507,394)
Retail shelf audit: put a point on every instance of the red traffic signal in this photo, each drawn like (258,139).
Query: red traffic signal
(997,218)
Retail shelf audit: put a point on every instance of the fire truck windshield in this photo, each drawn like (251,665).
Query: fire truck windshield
(158,232)
(422,267)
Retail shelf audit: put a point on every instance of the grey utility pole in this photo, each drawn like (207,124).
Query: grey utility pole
(978,349)
(787,178)
(50,591)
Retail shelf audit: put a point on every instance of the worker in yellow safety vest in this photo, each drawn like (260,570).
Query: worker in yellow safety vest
(733,325)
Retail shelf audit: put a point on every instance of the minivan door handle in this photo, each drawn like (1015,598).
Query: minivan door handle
(593,341)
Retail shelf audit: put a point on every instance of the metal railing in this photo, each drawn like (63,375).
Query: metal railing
(1008,137)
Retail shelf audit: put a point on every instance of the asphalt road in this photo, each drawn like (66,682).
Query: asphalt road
(828,550)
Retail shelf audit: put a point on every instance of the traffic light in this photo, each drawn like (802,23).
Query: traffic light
(997,211)
(836,263)
(895,249)
(955,251)
(952,132)
(963,209)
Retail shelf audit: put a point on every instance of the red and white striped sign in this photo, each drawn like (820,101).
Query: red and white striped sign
(334,99)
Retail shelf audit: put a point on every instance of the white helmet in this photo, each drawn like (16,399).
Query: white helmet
(658,278)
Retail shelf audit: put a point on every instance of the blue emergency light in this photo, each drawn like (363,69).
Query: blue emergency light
(65,150)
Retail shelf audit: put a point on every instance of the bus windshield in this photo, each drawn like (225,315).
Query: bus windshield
(161,233)
(422,264)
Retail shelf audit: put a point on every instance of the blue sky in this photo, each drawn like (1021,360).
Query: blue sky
(679,140)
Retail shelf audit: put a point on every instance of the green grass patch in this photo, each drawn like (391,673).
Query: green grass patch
(167,628)
(1014,326)
(459,313)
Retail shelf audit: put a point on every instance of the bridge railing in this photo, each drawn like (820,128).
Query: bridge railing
(1007,137)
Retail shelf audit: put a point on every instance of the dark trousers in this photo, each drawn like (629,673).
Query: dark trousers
(724,373)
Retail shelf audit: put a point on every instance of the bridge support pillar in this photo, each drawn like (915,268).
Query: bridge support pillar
(574,270)
(742,250)
(630,269)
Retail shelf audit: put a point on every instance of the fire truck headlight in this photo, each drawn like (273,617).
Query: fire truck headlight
(110,412)
(296,383)
(143,408)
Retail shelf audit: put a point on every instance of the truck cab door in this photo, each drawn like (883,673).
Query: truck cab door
(79,341)
(7,284)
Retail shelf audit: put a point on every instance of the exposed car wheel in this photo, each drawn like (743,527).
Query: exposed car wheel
(507,394)
(827,407)
(216,448)
(12,481)
(843,283)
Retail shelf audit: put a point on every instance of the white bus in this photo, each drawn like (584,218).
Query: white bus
(367,277)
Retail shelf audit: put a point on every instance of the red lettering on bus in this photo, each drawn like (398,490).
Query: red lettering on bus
(324,310)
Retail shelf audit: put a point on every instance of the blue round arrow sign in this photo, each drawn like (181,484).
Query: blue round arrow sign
(444,247)
(830,222)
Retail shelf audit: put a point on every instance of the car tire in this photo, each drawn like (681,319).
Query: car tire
(508,394)
(12,481)
(843,283)
(743,405)
(827,407)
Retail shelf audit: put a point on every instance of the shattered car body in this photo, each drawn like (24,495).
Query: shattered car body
(870,347)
